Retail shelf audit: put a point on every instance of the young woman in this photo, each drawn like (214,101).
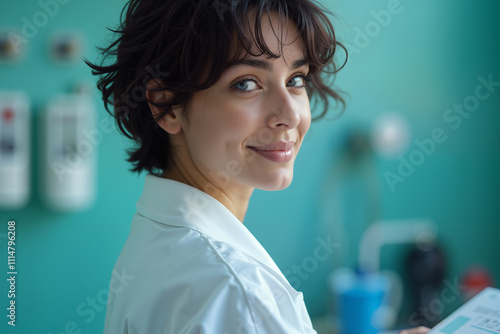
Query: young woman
(215,95)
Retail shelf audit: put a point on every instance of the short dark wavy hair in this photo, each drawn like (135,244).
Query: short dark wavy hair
(177,41)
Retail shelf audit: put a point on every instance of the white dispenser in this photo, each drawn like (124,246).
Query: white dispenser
(14,149)
(68,154)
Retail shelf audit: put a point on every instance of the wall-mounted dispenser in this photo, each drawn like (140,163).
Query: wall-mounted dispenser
(11,46)
(66,48)
(68,153)
(14,149)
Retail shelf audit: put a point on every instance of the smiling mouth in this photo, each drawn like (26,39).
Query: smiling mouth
(277,152)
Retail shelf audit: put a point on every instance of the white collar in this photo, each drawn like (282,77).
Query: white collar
(177,204)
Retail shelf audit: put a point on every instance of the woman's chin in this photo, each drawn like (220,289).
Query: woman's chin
(276,183)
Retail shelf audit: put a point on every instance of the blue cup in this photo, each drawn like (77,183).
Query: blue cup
(359,297)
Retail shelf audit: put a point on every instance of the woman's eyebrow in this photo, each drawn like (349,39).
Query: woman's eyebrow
(265,65)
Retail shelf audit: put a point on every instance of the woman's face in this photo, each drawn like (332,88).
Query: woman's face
(247,129)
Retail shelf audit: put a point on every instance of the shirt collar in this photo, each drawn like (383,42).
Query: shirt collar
(177,204)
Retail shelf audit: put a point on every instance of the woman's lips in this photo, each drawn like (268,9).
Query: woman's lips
(277,152)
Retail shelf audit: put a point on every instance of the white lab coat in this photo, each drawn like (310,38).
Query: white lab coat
(191,266)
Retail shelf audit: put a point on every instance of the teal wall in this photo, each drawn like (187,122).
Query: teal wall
(426,59)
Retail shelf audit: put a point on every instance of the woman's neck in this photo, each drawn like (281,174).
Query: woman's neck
(235,197)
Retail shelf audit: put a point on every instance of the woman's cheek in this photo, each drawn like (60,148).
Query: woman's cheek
(241,119)
(305,115)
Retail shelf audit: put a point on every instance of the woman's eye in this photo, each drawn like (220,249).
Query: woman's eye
(246,85)
(250,85)
(298,81)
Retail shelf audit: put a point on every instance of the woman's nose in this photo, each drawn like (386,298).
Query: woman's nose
(284,112)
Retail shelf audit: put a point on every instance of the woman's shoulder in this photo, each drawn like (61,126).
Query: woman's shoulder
(177,251)
(171,257)
(183,272)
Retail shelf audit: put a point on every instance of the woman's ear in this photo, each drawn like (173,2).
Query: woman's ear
(171,121)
